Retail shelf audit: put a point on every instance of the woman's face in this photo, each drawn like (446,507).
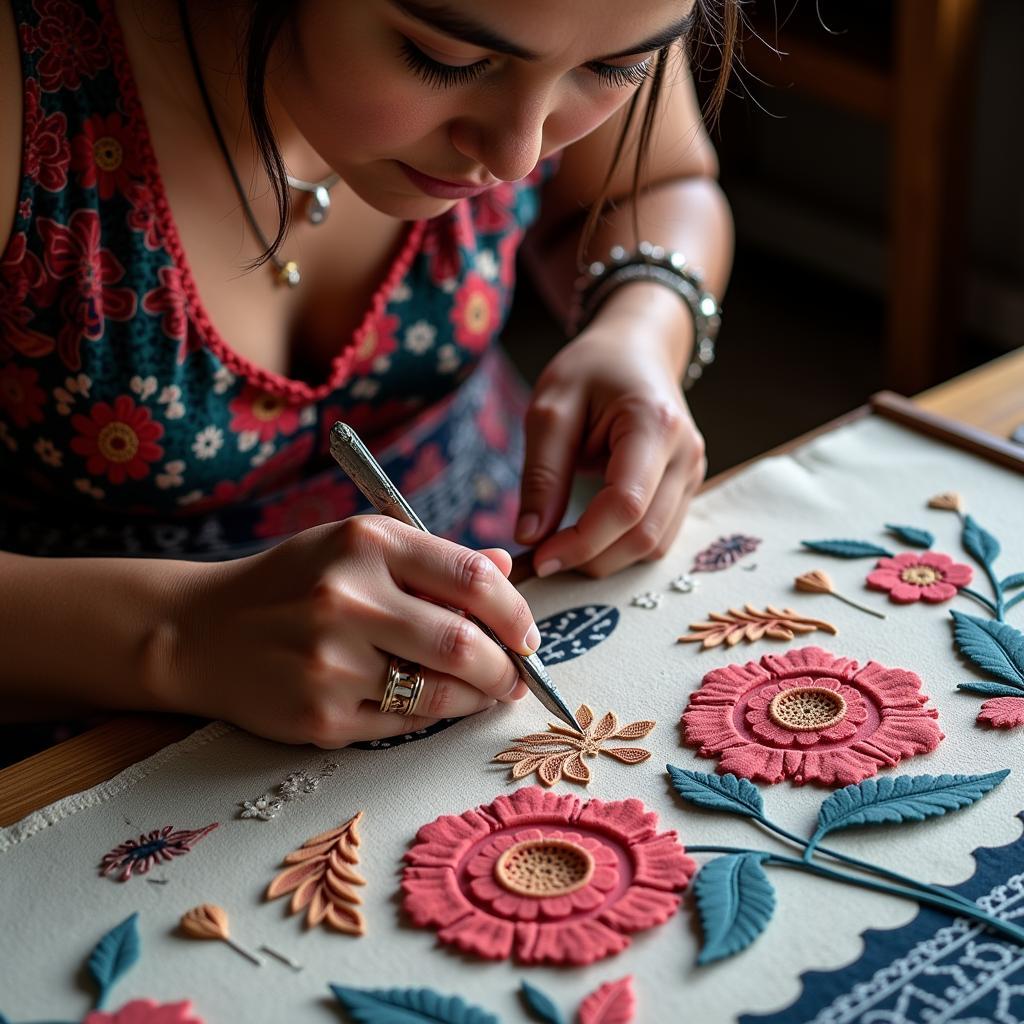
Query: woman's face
(400,96)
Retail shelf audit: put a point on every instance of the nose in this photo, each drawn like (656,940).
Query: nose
(507,138)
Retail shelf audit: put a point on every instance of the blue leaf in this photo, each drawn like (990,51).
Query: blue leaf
(113,955)
(717,792)
(978,542)
(992,689)
(408,1006)
(735,901)
(912,535)
(847,548)
(1012,582)
(993,646)
(575,631)
(900,798)
(540,1005)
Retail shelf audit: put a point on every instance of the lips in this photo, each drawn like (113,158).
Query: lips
(438,188)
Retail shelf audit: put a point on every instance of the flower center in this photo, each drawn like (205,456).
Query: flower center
(920,575)
(478,313)
(108,153)
(117,442)
(544,867)
(807,708)
(267,407)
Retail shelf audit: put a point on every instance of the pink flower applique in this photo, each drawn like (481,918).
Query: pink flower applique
(809,716)
(145,1011)
(1003,712)
(544,877)
(913,576)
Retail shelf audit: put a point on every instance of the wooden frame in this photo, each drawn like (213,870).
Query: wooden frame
(101,753)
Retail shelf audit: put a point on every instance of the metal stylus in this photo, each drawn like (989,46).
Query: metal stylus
(365,472)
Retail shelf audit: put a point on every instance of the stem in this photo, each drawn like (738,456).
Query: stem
(244,952)
(981,599)
(1013,600)
(994,580)
(860,607)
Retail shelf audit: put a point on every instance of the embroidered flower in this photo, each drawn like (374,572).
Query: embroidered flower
(475,313)
(324,499)
(159,846)
(724,552)
(208,442)
(914,576)
(72,45)
(549,878)
(20,396)
(45,154)
(118,440)
(448,359)
(73,251)
(419,337)
(86,487)
(264,413)
(648,600)
(21,274)
(168,302)
(145,1011)
(170,397)
(48,452)
(1003,712)
(142,215)
(374,345)
(223,378)
(442,241)
(809,716)
(65,396)
(263,807)
(104,154)
(172,475)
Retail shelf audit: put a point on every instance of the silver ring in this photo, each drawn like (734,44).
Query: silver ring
(403,688)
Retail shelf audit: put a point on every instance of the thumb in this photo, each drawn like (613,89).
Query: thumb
(500,557)
(552,444)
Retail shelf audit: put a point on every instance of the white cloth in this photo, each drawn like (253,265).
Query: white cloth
(54,907)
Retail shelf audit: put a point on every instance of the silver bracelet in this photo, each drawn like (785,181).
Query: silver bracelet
(653,263)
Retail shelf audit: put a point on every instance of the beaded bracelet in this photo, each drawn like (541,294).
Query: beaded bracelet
(653,263)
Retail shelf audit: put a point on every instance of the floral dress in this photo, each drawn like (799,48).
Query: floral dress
(129,425)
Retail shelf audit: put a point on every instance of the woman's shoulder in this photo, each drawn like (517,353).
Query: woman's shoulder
(10,120)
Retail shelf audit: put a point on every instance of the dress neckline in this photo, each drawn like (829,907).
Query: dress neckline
(288,388)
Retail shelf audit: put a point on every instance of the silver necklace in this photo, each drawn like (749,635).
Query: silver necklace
(319,202)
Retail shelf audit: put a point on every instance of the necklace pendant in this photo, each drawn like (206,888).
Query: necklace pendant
(288,273)
(318,205)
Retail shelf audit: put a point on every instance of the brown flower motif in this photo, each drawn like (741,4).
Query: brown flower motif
(559,752)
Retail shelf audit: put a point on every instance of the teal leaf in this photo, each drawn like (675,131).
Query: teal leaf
(847,548)
(993,646)
(113,955)
(408,1006)
(979,543)
(717,792)
(900,798)
(992,689)
(912,535)
(540,1005)
(735,901)
(1013,582)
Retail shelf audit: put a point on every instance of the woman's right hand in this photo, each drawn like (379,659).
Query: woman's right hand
(294,643)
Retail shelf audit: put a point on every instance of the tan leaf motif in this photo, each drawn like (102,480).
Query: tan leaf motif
(560,753)
(750,624)
(320,876)
(207,921)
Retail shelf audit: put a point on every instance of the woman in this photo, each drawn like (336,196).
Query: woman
(230,225)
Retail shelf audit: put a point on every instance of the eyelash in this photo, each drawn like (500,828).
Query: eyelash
(445,76)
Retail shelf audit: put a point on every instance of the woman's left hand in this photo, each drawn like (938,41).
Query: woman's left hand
(609,401)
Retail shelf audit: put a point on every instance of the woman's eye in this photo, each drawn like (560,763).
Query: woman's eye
(436,74)
(620,77)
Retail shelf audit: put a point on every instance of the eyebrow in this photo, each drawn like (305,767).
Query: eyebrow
(462,27)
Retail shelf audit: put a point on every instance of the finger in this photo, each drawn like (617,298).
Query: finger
(635,469)
(368,722)
(651,537)
(465,579)
(442,696)
(500,557)
(448,643)
(553,436)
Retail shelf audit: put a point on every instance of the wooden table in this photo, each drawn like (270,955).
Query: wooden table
(989,399)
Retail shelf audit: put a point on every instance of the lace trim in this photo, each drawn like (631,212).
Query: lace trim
(273,383)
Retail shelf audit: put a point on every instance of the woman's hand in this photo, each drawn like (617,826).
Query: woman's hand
(294,643)
(610,400)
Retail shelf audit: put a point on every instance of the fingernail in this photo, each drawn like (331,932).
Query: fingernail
(549,568)
(527,527)
(532,640)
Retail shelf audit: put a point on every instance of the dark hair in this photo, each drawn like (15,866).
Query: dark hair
(715,31)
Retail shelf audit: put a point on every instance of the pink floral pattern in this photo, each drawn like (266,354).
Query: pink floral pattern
(46,154)
(145,1011)
(69,43)
(809,716)
(20,396)
(915,576)
(20,274)
(105,155)
(470,877)
(118,440)
(475,313)
(264,413)
(1002,712)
